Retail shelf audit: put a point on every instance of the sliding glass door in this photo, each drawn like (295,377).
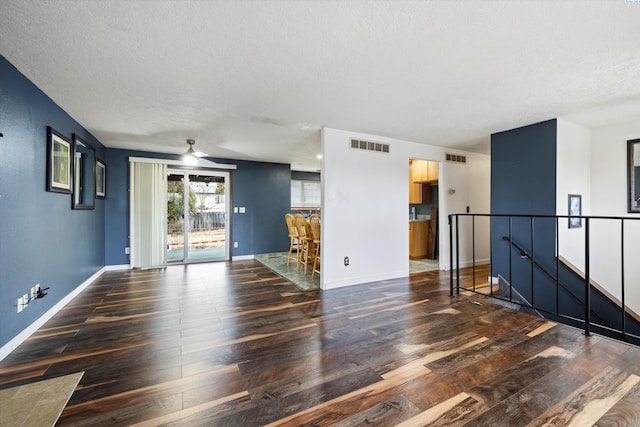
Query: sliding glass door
(197,216)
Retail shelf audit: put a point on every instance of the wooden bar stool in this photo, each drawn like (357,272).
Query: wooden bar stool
(314,222)
(293,236)
(304,241)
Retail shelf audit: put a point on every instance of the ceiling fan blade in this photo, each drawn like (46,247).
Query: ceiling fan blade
(200,154)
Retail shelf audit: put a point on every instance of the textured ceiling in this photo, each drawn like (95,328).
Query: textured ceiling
(257,80)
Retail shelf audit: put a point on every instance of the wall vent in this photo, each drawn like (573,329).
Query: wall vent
(369,146)
(456,158)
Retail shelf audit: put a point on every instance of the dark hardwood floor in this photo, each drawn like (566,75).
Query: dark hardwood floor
(233,344)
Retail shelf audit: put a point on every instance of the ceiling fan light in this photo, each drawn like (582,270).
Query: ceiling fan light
(189,159)
(190,156)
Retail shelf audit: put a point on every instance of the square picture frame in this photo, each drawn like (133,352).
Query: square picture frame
(59,153)
(101,179)
(575,210)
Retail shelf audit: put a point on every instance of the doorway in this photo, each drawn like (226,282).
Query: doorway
(197,216)
(423,215)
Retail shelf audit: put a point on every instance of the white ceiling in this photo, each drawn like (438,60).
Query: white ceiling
(256,80)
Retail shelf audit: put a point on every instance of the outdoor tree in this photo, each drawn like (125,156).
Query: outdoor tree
(202,194)
(175,202)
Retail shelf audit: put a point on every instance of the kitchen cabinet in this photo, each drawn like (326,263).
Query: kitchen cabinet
(415,193)
(418,233)
(422,175)
(424,171)
(419,170)
(426,193)
(415,190)
(432,172)
(419,193)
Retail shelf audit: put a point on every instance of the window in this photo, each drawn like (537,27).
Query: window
(305,194)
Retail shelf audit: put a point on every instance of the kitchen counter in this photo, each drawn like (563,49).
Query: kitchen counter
(422,235)
(418,232)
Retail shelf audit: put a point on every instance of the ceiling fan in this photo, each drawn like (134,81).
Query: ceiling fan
(192,156)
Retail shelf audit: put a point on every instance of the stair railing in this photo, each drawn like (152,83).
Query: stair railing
(586,323)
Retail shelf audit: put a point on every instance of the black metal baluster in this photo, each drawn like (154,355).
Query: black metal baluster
(587,281)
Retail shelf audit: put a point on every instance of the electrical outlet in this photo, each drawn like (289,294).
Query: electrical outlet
(20,305)
(127,250)
(34,293)
(25,301)
(346,261)
(235,244)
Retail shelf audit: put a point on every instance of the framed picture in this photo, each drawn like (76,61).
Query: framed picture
(58,162)
(633,176)
(101,170)
(84,175)
(575,210)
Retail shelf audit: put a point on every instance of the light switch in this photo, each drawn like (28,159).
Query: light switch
(235,209)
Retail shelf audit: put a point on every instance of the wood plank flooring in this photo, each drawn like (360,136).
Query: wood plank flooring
(233,344)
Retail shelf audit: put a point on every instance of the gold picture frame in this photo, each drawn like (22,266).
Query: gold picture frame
(58,162)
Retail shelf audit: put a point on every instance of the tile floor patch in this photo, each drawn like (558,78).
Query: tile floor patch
(278,262)
(39,403)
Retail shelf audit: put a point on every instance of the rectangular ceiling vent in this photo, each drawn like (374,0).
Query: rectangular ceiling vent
(370,146)
(456,158)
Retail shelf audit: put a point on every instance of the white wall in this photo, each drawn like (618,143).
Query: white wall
(609,168)
(573,171)
(471,183)
(365,207)
(609,198)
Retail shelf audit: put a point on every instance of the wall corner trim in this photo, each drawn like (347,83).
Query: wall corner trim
(6,349)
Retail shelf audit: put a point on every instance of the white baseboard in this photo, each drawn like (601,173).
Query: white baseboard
(242,257)
(117,267)
(363,279)
(6,349)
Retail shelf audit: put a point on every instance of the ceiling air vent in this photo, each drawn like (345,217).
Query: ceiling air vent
(456,158)
(369,146)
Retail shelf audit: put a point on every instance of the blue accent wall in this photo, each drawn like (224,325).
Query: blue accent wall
(42,240)
(523,170)
(264,189)
(523,181)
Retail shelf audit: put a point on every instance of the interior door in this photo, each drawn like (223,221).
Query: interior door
(197,216)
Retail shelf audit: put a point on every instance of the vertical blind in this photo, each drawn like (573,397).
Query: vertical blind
(148,214)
